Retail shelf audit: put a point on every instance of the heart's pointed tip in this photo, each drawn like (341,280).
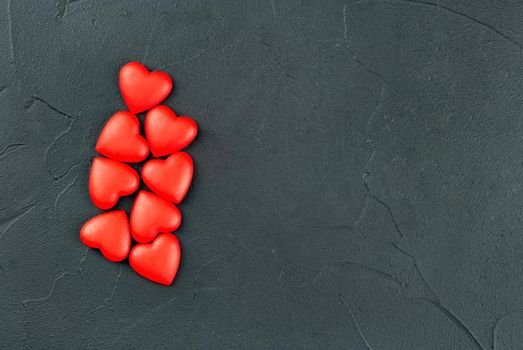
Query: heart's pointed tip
(157,261)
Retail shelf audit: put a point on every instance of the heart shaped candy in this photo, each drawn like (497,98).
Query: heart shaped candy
(142,89)
(169,178)
(166,133)
(151,215)
(157,261)
(121,140)
(110,233)
(109,180)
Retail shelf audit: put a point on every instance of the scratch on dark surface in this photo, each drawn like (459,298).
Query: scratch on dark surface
(10,31)
(494,329)
(470,18)
(61,176)
(345,22)
(63,191)
(416,266)
(205,265)
(364,66)
(371,118)
(84,256)
(326,227)
(195,290)
(274,13)
(457,13)
(205,50)
(51,291)
(14,217)
(3,88)
(107,301)
(152,31)
(352,54)
(62,133)
(68,116)
(12,147)
(377,272)
(62,10)
(456,321)
(313,280)
(366,171)
(395,223)
(195,56)
(358,328)
(361,216)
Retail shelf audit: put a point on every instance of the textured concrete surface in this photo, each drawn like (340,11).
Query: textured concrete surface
(359,174)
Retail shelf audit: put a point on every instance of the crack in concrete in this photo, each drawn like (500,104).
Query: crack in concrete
(107,301)
(51,291)
(14,217)
(358,328)
(12,147)
(63,191)
(454,319)
(10,32)
(154,26)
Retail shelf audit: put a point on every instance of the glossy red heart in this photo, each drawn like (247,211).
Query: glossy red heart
(169,178)
(121,140)
(110,233)
(142,89)
(157,261)
(166,133)
(109,180)
(151,215)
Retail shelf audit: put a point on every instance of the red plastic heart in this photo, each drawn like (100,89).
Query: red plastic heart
(142,89)
(166,133)
(110,233)
(157,261)
(121,140)
(169,178)
(151,215)
(109,180)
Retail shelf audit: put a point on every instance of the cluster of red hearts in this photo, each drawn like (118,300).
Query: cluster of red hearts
(154,215)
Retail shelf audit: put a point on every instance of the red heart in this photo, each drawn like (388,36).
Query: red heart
(142,89)
(151,215)
(110,180)
(157,261)
(169,178)
(167,133)
(110,233)
(121,140)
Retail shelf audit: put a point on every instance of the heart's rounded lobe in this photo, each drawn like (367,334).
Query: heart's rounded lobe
(157,261)
(151,215)
(142,89)
(121,140)
(169,178)
(167,133)
(109,180)
(110,233)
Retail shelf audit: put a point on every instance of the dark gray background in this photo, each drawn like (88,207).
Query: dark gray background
(359,174)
